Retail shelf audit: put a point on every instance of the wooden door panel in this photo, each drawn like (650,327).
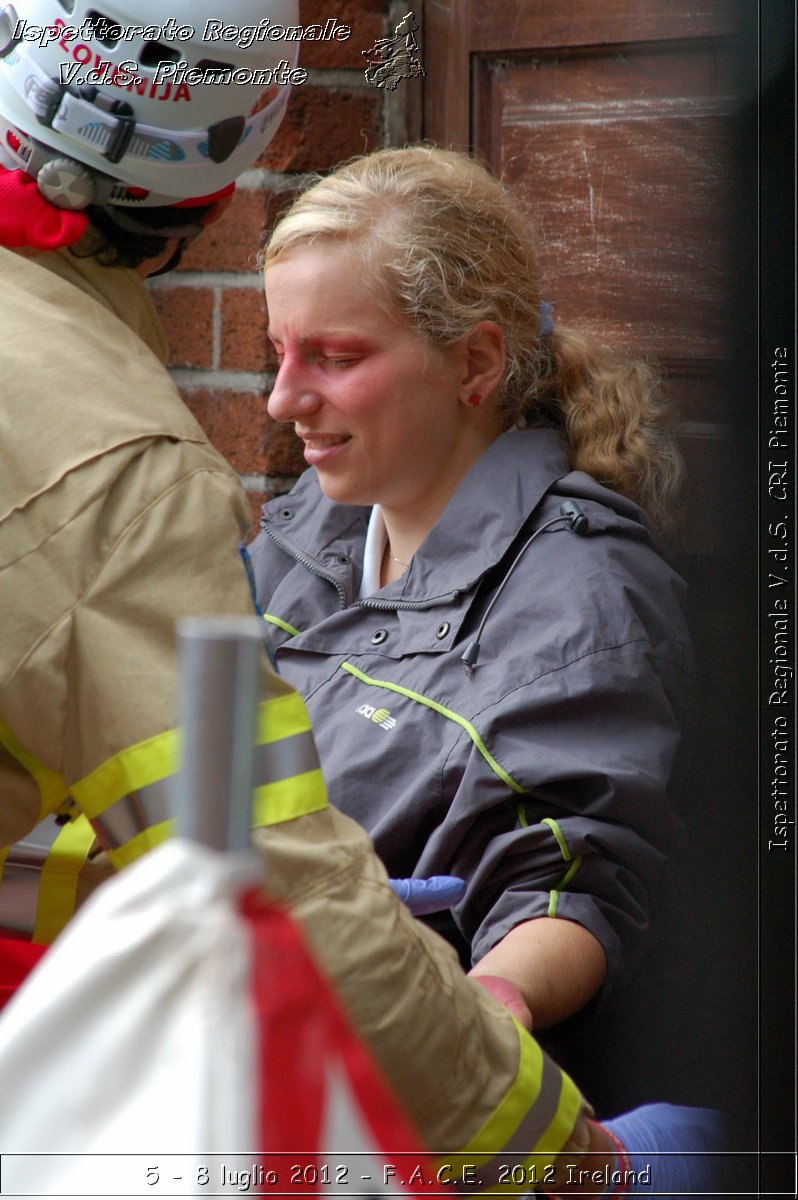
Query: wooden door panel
(456,31)
(501,25)
(622,162)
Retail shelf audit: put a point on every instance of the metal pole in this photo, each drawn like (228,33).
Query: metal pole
(219,659)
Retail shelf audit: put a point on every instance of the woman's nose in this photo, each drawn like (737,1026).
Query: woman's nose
(292,396)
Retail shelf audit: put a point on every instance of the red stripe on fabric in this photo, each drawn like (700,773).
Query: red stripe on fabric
(197,201)
(17,960)
(621,1189)
(302,1029)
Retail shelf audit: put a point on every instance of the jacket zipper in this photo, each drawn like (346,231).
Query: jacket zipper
(311,565)
(407,605)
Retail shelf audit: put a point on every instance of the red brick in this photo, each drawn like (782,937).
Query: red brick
(322,127)
(365,18)
(244,344)
(282,449)
(187,316)
(234,423)
(232,244)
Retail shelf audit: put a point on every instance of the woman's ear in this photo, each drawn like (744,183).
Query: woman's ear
(485,358)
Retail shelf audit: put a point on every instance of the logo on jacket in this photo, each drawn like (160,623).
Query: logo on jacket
(380,716)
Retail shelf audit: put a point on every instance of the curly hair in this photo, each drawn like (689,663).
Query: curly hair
(446,245)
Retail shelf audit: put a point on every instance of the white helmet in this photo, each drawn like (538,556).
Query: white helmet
(108,102)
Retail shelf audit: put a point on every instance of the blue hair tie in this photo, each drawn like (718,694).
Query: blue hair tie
(545,321)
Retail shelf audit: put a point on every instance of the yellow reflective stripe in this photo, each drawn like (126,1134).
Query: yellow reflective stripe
(58,886)
(287,799)
(148,839)
(281,624)
(524,1091)
(153,760)
(52,789)
(281,717)
(133,768)
(563,1122)
(554,894)
(157,757)
(494,1144)
(444,712)
(534,1170)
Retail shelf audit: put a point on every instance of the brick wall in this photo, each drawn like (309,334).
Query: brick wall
(212,307)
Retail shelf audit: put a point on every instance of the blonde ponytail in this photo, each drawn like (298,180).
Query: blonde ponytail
(618,426)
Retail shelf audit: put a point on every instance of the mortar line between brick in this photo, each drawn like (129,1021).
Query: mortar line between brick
(257,178)
(228,381)
(337,77)
(197,279)
(216,357)
(266,482)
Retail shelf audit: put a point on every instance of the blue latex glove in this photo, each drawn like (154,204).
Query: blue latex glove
(423,896)
(665,1143)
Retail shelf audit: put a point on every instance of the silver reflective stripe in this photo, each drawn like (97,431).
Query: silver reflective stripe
(22,874)
(132,814)
(526,1137)
(282,760)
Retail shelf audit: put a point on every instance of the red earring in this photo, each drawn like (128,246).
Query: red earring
(474,399)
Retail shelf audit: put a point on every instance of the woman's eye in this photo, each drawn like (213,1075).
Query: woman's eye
(341,363)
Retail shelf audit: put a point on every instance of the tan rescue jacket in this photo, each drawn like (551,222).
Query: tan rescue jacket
(116,517)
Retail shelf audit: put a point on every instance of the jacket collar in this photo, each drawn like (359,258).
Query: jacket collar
(486,513)
(474,532)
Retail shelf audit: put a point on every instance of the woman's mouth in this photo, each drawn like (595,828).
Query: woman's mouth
(321,447)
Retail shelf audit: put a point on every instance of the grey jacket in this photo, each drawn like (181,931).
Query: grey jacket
(541,776)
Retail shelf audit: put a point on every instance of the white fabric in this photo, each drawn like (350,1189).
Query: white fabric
(130,1058)
(149,1046)
(373,551)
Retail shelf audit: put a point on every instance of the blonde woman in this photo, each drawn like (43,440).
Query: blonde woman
(466,586)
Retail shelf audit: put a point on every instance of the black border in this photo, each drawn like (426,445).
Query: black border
(776,328)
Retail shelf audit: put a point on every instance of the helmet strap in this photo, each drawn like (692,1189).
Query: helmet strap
(174,261)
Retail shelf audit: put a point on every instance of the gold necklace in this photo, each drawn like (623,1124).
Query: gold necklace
(395,559)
